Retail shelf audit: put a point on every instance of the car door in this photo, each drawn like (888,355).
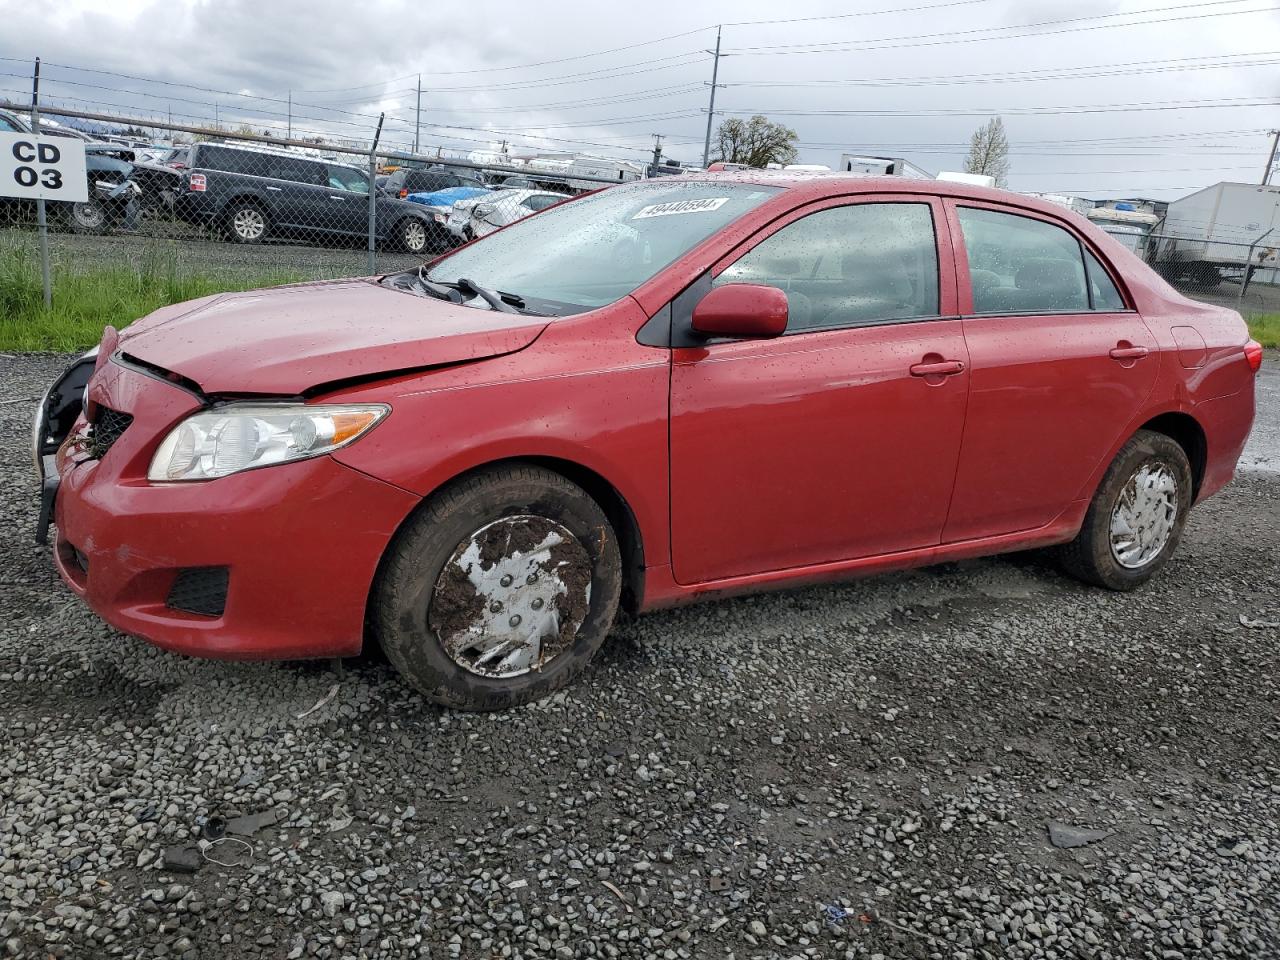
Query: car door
(294,190)
(347,200)
(1060,365)
(839,439)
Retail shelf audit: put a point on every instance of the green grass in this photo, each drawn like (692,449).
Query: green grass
(88,297)
(1265,328)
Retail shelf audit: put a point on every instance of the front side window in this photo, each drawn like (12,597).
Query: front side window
(1021,265)
(585,254)
(849,266)
(344,178)
(541,201)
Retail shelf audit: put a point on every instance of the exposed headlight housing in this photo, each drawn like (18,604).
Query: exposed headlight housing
(236,437)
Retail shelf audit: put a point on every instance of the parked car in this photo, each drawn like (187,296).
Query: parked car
(113,198)
(253,194)
(405,181)
(12,123)
(668,390)
(439,205)
(498,210)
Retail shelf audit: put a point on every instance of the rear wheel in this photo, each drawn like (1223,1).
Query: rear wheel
(499,590)
(1136,518)
(246,222)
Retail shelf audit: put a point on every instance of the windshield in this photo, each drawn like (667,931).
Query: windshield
(593,251)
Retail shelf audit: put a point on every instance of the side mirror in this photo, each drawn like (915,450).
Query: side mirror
(741,310)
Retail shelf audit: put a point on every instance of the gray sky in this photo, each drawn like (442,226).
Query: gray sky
(1188,92)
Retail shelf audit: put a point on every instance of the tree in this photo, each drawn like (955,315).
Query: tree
(757,142)
(989,152)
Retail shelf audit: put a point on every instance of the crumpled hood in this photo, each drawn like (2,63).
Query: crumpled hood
(285,340)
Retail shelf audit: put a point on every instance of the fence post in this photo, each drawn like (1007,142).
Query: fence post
(373,197)
(42,224)
(1248,268)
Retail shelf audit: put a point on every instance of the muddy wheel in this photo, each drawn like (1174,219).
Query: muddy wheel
(499,590)
(1136,518)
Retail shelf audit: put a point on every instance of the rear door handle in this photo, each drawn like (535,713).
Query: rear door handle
(339,199)
(940,368)
(1128,353)
(275,189)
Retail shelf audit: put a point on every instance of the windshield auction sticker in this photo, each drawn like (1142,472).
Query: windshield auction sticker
(705,205)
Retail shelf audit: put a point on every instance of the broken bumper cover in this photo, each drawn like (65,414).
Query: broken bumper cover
(281,558)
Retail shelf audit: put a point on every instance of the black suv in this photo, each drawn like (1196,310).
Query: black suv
(252,194)
(400,183)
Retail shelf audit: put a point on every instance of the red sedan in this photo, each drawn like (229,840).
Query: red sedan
(664,391)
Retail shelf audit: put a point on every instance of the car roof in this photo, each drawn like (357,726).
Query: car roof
(817,185)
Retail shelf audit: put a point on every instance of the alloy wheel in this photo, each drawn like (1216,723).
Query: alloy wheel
(248,224)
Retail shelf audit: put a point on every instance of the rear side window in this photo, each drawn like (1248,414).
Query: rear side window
(1103,294)
(294,169)
(1022,265)
(849,266)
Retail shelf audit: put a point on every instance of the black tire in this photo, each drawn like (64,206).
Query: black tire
(88,217)
(412,235)
(245,222)
(1090,556)
(407,609)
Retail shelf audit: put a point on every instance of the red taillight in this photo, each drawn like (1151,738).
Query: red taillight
(196,183)
(403,194)
(1253,355)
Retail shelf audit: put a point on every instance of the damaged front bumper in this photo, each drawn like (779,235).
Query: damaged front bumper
(275,563)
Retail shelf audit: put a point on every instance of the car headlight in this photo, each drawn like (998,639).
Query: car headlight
(215,443)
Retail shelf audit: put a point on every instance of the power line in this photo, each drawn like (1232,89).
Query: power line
(860,13)
(888,44)
(1052,73)
(1218,103)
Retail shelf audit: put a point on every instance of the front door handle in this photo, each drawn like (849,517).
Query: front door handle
(339,199)
(937,368)
(1128,352)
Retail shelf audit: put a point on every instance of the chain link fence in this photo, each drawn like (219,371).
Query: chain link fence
(239,210)
(1242,275)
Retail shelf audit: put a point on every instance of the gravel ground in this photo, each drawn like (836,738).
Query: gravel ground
(865,770)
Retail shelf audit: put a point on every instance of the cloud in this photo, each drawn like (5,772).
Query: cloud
(342,63)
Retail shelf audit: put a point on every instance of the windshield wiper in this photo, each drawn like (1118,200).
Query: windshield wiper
(407,281)
(502,302)
(437,289)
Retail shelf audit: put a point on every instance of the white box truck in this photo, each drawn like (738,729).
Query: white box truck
(1209,234)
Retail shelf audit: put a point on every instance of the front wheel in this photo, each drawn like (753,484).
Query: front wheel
(88,216)
(1136,518)
(499,590)
(411,234)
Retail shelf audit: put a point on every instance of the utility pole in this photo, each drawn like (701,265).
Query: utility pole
(417,119)
(657,154)
(711,109)
(1271,157)
(290,114)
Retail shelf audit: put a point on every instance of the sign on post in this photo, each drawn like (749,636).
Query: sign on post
(42,168)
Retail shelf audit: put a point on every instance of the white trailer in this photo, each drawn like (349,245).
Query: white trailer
(883,166)
(1219,230)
